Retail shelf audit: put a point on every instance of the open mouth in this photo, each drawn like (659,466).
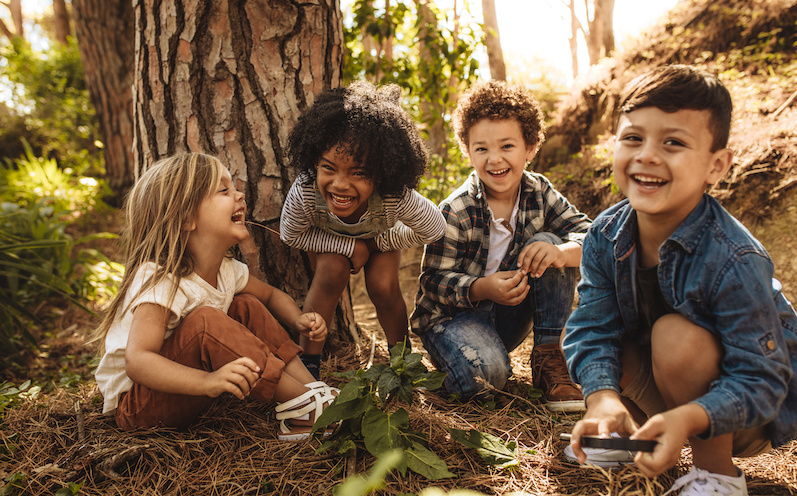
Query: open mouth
(648,182)
(498,173)
(238,216)
(341,201)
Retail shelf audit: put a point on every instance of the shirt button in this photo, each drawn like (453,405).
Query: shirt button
(771,344)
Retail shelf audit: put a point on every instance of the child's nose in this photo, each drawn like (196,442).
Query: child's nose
(648,153)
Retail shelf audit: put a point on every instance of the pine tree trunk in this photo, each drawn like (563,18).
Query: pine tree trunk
(230,78)
(61,21)
(495,55)
(105,31)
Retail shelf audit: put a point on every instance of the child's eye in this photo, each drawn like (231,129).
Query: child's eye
(630,137)
(674,142)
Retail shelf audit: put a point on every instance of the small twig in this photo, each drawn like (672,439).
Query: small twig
(785,104)
(107,466)
(540,410)
(373,349)
(351,463)
(81,431)
(264,227)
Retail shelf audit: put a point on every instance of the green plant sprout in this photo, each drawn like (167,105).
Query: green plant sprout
(361,412)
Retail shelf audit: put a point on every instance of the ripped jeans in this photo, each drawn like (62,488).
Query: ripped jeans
(476,342)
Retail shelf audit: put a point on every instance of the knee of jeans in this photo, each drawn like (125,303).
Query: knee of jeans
(547,237)
(476,370)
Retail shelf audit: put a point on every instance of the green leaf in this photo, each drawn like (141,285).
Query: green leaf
(424,462)
(388,382)
(342,410)
(362,486)
(382,431)
(492,449)
(431,380)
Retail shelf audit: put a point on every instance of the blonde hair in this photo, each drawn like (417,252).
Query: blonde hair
(157,209)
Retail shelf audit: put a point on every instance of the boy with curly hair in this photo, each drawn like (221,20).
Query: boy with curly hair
(353,205)
(507,263)
(680,328)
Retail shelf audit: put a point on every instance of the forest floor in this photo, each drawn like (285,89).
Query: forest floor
(60,436)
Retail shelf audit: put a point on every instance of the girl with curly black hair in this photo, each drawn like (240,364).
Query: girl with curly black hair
(353,205)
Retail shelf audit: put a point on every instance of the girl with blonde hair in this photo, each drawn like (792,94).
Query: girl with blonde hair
(189,323)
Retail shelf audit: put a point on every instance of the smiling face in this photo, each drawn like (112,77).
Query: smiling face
(499,155)
(663,161)
(219,221)
(343,183)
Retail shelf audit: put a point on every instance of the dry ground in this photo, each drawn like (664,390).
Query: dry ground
(62,437)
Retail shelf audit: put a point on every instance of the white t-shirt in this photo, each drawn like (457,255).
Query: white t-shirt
(192,293)
(501,233)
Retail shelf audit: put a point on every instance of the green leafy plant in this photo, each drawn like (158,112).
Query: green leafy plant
(362,412)
(492,449)
(15,484)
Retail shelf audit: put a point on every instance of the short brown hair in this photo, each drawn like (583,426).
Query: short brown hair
(682,87)
(498,100)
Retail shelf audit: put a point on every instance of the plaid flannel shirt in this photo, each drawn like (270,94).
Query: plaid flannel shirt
(451,264)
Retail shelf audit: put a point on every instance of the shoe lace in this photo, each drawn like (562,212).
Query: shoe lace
(552,364)
(702,482)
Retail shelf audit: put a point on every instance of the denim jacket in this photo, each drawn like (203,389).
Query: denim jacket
(716,274)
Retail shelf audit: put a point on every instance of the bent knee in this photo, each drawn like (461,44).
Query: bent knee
(680,346)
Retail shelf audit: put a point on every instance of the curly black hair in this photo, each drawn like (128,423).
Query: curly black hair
(498,100)
(368,124)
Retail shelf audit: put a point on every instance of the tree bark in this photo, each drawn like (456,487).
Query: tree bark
(495,55)
(105,30)
(431,111)
(574,25)
(61,21)
(230,78)
(15,9)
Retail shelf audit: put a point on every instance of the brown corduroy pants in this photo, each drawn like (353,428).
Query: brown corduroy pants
(208,339)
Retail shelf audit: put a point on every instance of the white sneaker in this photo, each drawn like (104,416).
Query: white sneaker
(604,458)
(699,482)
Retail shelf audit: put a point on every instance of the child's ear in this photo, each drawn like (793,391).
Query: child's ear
(531,152)
(721,162)
(189,225)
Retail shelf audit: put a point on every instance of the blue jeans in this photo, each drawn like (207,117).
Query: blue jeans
(476,342)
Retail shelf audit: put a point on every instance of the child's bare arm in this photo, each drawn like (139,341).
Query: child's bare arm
(538,256)
(286,310)
(146,366)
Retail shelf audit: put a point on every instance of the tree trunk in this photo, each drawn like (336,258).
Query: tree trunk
(105,31)
(230,78)
(608,27)
(15,8)
(431,111)
(574,25)
(61,21)
(495,54)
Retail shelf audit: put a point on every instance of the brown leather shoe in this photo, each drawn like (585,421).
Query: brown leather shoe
(549,373)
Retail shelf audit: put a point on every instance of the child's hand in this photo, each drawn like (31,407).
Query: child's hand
(605,414)
(237,377)
(313,326)
(360,256)
(506,288)
(538,256)
(671,431)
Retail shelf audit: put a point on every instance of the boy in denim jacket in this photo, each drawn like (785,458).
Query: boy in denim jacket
(508,258)
(681,332)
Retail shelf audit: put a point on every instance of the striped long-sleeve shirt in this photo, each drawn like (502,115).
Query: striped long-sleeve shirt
(408,220)
(451,264)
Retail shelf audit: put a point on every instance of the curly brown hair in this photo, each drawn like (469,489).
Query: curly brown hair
(369,124)
(498,100)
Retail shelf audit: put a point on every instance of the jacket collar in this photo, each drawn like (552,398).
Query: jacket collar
(621,228)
